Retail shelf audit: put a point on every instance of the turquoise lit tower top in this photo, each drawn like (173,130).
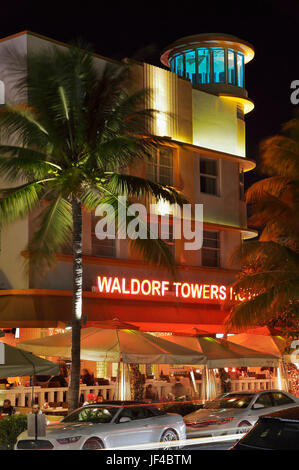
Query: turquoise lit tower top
(213,63)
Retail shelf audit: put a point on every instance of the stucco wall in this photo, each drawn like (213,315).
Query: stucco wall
(215,124)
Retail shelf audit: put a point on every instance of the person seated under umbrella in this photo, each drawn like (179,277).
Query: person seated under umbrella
(178,389)
(7,409)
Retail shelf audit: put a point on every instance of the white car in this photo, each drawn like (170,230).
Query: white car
(236,412)
(109,426)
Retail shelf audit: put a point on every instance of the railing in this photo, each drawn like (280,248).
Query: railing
(251,384)
(21,396)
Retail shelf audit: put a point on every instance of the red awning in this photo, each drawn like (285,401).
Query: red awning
(36,308)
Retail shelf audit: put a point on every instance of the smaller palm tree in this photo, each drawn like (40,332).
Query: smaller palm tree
(70,149)
(270,265)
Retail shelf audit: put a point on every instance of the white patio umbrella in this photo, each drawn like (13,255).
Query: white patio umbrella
(17,363)
(272,344)
(116,345)
(130,346)
(221,353)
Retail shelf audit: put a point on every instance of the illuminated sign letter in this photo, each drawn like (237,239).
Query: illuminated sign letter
(104,284)
(135,286)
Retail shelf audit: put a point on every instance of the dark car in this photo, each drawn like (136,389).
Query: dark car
(275,431)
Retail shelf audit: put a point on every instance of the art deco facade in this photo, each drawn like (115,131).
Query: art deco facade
(200,93)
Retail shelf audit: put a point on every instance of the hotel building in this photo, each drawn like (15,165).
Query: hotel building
(200,93)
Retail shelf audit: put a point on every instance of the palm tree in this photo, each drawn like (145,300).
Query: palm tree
(270,264)
(72,147)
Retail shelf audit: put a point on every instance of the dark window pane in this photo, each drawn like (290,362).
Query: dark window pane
(272,434)
(265,400)
(203,66)
(172,65)
(190,67)
(208,185)
(212,235)
(208,167)
(210,243)
(231,67)
(210,258)
(166,157)
(281,399)
(106,247)
(240,67)
(180,65)
(219,70)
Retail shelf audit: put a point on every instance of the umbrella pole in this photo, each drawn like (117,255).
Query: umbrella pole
(32,391)
(122,380)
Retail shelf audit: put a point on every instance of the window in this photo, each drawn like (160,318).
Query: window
(242,187)
(231,67)
(271,434)
(209,176)
(135,413)
(92,415)
(203,66)
(281,399)
(2,93)
(240,68)
(106,247)
(210,65)
(191,67)
(229,402)
(210,252)
(180,65)
(219,65)
(160,168)
(172,64)
(265,400)
(170,242)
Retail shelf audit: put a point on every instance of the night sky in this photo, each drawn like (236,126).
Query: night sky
(141,30)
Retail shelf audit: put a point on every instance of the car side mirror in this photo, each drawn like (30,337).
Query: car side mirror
(258,406)
(124,419)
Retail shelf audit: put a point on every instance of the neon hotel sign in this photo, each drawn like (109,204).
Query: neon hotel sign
(155,288)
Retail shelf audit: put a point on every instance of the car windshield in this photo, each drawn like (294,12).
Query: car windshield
(92,415)
(273,434)
(230,401)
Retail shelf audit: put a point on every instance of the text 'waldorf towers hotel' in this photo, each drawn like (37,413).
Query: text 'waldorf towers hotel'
(200,90)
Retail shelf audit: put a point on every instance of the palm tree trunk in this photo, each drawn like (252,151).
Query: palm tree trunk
(74,388)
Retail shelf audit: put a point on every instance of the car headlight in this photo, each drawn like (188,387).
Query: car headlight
(69,440)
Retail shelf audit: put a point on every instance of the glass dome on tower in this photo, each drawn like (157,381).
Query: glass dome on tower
(212,62)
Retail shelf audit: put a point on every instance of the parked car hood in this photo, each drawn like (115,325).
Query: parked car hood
(208,414)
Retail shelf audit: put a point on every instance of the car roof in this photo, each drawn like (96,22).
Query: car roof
(289,414)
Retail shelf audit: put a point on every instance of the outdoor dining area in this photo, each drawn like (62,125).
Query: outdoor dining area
(145,366)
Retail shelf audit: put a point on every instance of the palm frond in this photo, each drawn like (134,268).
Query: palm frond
(134,186)
(17,202)
(263,307)
(21,122)
(24,163)
(260,281)
(274,186)
(253,312)
(156,252)
(53,232)
(266,255)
